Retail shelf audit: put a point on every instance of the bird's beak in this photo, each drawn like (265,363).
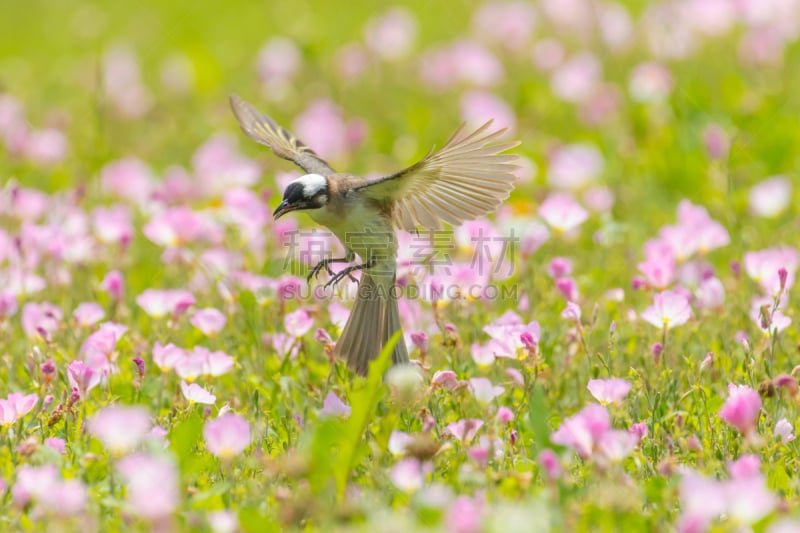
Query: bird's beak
(281,210)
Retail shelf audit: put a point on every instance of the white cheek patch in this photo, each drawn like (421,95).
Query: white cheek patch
(312,184)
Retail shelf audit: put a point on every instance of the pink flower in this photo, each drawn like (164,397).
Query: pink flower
(46,147)
(768,322)
(744,498)
(572,312)
(113,225)
(279,60)
(98,348)
(507,24)
(82,377)
(8,304)
(615,445)
(483,390)
(22,403)
(223,521)
(575,80)
(478,107)
(298,323)
(57,444)
(763,266)
(159,303)
(638,432)
(669,309)
(583,431)
(167,357)
(420,341)
(152,486)
(716,141)
(333,406)
(562,212)
(463,61)
(408,475)
(465,516)
(465,429)
(696,231)
(515,376)
(504,414)
(770,197)
(658,273)
(50,494)
(179,226)
(741,409)
(32,482)
(574,166)
(114,285)
(284,345)
(659,264)
(398,442)
(784,431)
(559,267)
(120,427)
(710,294)
(338,314)
(650,82)
(8,415)
(216,363)
(219,167)
(788,382)
(323,127)
(226,436)
(197,394)
(40,319)
(15,407)
(568,288)
(444,378)
(608,391)
(88,313)
(122,83)
(509,335)
(484,354)
(208,320)
(128,179)
(391,35)
(550,463)
(351,61)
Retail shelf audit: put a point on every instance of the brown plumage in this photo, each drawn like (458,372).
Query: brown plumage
(466,178)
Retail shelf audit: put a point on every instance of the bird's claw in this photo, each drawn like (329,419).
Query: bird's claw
(326,264)
(339,276)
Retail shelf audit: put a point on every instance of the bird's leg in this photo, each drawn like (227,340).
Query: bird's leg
(348,272)
(325,263)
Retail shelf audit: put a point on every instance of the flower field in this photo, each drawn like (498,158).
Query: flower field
(615,349)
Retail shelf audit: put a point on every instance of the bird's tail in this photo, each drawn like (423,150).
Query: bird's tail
(373,320)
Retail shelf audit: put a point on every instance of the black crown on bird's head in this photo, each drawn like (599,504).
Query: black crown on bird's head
(306,192)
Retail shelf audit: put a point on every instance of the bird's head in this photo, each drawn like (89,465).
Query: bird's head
(306,192)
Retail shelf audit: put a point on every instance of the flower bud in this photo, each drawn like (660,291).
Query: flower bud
(49,371)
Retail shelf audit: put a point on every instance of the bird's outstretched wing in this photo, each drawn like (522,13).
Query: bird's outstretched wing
(465,179)
(264,130)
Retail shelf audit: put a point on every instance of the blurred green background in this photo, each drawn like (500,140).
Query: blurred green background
(51,59)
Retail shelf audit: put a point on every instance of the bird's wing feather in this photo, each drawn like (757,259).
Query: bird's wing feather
(465,179)
(264,130)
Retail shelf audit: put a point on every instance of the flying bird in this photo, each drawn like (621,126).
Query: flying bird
(466,178)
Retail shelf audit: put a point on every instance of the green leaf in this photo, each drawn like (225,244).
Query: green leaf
(252,520)
(538,416)
(184,437)
(363,403)
(250,307)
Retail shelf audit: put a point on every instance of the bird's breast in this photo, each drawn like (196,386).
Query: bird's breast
(362,227)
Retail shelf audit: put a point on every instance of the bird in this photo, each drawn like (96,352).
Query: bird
(468,177)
